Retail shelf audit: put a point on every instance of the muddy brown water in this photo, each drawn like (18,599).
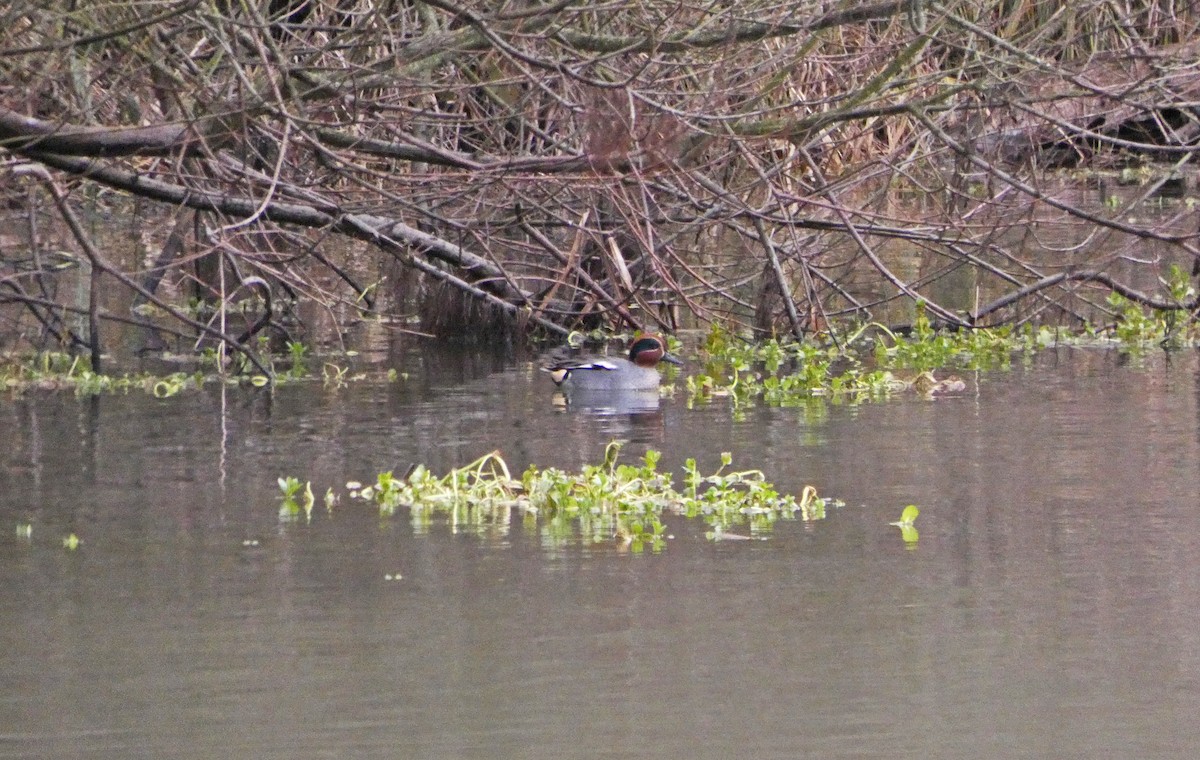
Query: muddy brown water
(1051,607)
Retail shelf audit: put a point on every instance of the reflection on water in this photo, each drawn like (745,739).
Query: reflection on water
(1049,609)
(636,416)
(610,402)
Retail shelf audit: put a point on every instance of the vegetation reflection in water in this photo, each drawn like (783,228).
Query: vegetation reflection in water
(604,502)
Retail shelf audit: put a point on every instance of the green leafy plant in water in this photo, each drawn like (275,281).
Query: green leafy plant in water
(778,373)
(926,349)
(908,531)
(474,497)
(210,358)
(52,371)
(1134,328)
(294,502)
(726,499)
(1137,327)
(602,501)
(298,354)
(1180,327)
(793,374)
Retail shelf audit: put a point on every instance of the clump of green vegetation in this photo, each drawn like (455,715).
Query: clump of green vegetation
(602,502)
(56,371)
(726,499)
(779,373)
(874,362)
(925,349)
(1137,328)
(298,353)
(1134,328)
(871,364)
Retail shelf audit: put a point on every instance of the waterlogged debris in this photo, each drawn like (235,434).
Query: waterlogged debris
(335,376)
(604,502)
(925,383)
(907,531)
(25,531)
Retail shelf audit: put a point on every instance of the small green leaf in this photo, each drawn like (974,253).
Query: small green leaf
(905,524)
(907,517)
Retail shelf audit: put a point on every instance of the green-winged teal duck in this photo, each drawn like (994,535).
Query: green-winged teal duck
(635,373)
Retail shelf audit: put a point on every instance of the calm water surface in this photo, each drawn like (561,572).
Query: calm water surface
(1050,609)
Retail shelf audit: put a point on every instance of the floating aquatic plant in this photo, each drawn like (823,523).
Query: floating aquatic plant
(54,371)
(872,363)
(925,349)
(1138,328)
(51,371)
(908,531)
(602,502)
(294,502)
